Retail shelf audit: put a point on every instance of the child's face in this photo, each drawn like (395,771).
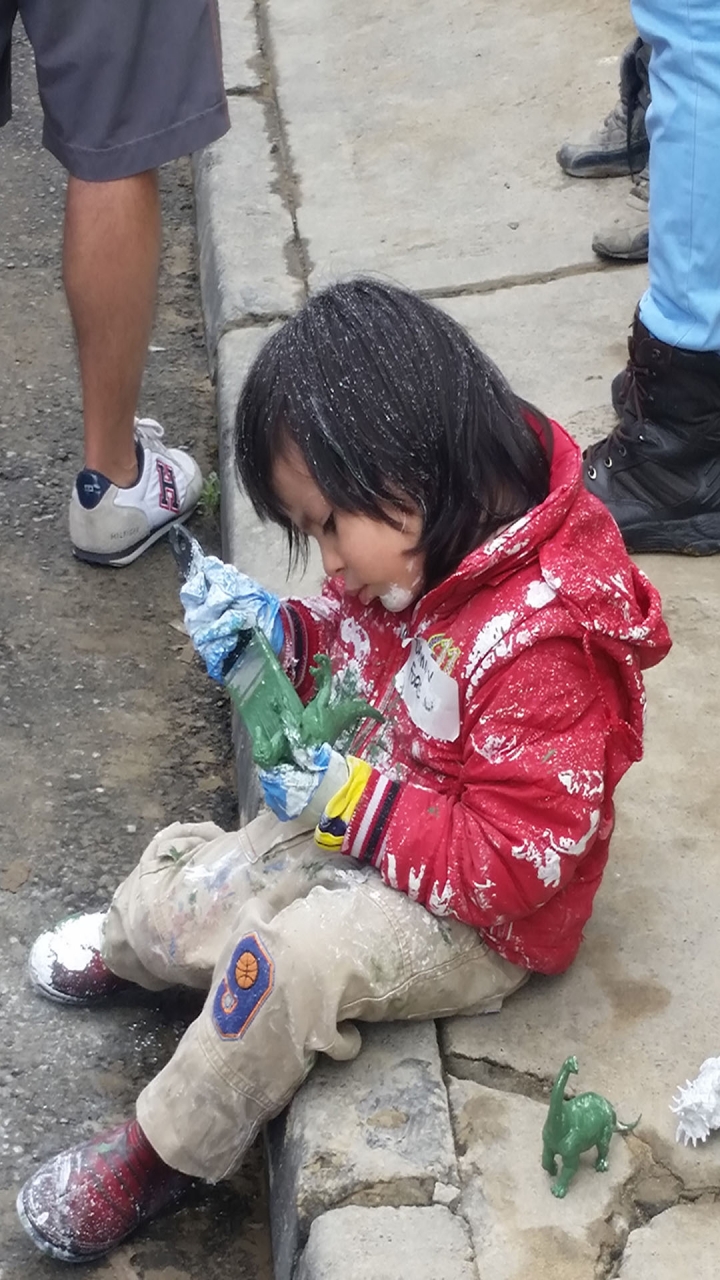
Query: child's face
(375,560)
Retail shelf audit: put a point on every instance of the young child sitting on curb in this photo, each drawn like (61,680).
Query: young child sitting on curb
(483,601)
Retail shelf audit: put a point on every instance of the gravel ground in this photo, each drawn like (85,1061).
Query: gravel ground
(108,727)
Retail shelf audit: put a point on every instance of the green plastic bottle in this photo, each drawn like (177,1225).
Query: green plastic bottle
(265,699)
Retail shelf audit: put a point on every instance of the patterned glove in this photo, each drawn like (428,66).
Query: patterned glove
(322,787)
(339,809)
(219,602)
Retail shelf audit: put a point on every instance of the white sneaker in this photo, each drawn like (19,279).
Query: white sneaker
(113,526)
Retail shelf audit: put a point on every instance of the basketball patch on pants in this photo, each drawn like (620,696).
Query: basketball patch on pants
(248,981)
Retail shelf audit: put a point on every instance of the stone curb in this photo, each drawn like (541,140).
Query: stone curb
(388,1244)
(243,228)
(374,1132)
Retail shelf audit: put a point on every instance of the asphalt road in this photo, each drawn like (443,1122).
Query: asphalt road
(108,727)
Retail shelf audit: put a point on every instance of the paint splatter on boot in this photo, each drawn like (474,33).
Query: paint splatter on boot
(66,964)
(83,1202)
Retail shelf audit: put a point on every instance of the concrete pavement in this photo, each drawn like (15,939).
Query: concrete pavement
(417,141)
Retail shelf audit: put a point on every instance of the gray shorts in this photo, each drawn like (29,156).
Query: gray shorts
(124,84)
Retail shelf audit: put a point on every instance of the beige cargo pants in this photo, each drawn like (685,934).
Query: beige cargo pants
(292,945)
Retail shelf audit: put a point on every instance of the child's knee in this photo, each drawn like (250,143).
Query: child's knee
(141,910)
(310,948)
(177,844)
(279,986)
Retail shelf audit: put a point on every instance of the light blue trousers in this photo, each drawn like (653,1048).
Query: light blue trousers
(682,304)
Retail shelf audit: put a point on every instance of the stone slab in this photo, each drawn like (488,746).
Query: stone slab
(519,1229)
(681,1244)
(256,548)
(388,1244)
(244,228)
(259,550)
(637,1007)
(424,135)
(241,49)
(375,1131)
(561,343)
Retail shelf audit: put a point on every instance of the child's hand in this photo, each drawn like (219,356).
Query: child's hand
(302,789)
(323,787)
(219,602)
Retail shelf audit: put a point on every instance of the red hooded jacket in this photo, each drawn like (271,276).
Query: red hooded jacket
(513,703)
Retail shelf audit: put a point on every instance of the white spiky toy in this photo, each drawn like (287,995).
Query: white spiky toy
(698,1104)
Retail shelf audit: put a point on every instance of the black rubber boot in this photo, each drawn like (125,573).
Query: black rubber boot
(658,472)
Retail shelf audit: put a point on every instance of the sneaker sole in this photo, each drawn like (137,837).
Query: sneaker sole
(44,1245)
(58,997)
(118,560)
(634,255)
(80,1002)
(608,165)
(607,169)
(698,536)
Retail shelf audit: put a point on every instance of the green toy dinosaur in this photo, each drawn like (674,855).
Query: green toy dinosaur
(324,720)
(272,712)
(574,1125)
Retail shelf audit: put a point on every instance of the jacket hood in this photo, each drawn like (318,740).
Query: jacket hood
(574,541)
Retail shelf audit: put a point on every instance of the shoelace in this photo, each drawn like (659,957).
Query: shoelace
(148,431)
(627,431)
(617,118)
(641,184)
(631,106)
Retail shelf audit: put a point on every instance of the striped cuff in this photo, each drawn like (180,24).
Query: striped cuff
(369,822)
(293,658)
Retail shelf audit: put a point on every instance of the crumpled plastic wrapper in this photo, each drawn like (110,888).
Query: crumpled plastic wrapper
(219,602)
(288,788)
(697,1104)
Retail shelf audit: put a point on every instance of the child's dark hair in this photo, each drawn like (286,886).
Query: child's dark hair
(390,402)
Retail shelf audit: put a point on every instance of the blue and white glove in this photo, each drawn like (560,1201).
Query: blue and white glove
(219,602)
(304,789)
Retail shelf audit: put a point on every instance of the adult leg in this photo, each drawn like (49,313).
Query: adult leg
(659,471)
(110,268)
(160,95)
(682,305)
(8,9)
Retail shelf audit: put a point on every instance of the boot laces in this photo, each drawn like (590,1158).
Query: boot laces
(617,119)
(641,183)
(628,431)
(631,107)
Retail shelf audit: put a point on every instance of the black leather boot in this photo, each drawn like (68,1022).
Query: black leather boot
(658,472)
